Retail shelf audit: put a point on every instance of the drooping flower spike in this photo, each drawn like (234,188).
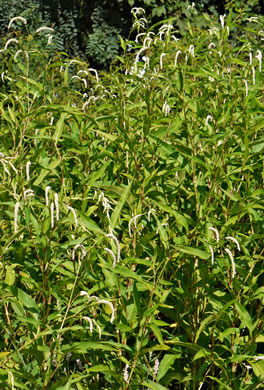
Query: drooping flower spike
(16,18)
(228,251)
(216,233)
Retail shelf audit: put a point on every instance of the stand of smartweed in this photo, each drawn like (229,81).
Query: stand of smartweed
(132,211)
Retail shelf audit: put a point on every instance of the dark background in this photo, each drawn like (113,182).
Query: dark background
(90,29)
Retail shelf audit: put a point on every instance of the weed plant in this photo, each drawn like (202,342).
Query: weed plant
(132,212)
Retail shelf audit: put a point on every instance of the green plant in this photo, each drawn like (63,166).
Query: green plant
(132,212)
(102,44)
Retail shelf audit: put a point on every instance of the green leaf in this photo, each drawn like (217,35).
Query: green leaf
(245,317)
(88,223)
(203,353)
(96,175)
(72,243)
(156,330)
(10,276)
(99,368)
(153,385)
(224,386)
(25,300)
(192,346)
(18,308)
(117,210)
(110,278)
(44,172)
(204,323)
(122,43)
(259,125)
(258,368)
(68,385)
(28,320)
(194,252)
(127,273)
(165,364)
(9,240)
(35,224)
(3,355)
(209,72)
(59,383)
(162,233)
(83,347)
(180,219)
(238,62)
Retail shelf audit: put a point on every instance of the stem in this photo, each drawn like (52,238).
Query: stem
(70,300)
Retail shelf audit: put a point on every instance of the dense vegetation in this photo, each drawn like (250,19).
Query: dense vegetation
(90,29)
(131,253)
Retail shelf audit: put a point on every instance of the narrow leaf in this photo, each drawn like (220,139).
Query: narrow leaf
(165,365)
(59,126)
(194,252)
(244,317)
(154,386)
(116,213)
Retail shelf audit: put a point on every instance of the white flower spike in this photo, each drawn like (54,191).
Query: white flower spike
(10,41)
(17,54)
(44,28)
(16,215)
(212,254)
(258,357)
(56,201)
(216,233)
(74,215)
(166,109)
(95,72)
(111,235)
(134,219)
(250,58)
(105,302)
(228,251)
(156,367)
(207,119)
(235,241)
(52,215)
(86,318)
(84,293)
(83,251)
(222,20)
(259,57)
(246,85)
(191,50)
(16,18)
(27,170)
(125,373)
(139,35)
(28,193)
(161,60)
(211,45)
(176,58)
(111,254)
(47,194)
(253,75)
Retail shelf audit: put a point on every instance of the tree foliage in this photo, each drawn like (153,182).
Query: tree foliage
(90,29)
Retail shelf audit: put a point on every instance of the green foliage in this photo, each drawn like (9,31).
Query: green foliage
(38,15)
(91,29)
(29,9)
(240,6)
(103,43)
(157,9)
(66,38)
(131,245)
